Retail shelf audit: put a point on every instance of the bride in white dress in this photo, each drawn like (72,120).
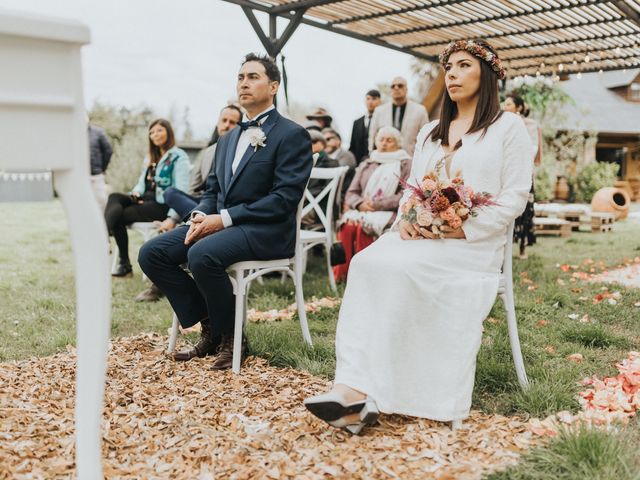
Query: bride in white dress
(410,324)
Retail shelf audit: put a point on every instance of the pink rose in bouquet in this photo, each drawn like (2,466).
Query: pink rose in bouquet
(437,203)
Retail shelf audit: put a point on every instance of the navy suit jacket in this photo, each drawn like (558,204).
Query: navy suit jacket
(359,140)
(262,196)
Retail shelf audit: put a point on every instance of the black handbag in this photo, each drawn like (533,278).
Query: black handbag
(337,255)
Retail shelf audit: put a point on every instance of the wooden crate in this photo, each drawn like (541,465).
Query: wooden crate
(552,226)
(573,217)
(602,222)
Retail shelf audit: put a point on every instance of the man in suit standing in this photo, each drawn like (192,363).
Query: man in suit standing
(360,132)
(248,212)
(402,114)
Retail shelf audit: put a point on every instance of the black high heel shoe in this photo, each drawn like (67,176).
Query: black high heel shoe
(123,269)
(332,408)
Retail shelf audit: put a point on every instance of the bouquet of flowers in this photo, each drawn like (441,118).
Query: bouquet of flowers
(438,203)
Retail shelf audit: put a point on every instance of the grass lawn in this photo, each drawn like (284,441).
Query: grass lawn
(37,318)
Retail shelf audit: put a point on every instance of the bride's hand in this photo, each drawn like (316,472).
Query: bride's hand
(446,230)
(408,231)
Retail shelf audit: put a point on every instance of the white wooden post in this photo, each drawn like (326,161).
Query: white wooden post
(43,125)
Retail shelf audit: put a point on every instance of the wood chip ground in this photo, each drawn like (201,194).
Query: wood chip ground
(165,419)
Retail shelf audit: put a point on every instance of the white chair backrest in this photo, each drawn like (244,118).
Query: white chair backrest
(298,248)
(41,93)
(334,175)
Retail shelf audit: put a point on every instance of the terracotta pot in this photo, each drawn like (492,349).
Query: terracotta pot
(562,189)
(611,200)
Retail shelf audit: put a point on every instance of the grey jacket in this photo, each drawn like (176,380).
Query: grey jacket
(201,170)
(100,150)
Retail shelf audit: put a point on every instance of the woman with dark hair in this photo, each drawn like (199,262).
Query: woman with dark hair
(524,232)
(165,166)
(410,325)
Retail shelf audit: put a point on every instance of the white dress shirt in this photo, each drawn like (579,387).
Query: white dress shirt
(243,143)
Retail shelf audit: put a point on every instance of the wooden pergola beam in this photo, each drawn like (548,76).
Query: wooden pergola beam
(529,31)
(475,21)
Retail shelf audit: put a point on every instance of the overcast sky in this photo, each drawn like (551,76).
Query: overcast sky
(187,53)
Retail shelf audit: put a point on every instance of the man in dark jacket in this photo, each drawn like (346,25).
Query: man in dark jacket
(100,152)
(360,132)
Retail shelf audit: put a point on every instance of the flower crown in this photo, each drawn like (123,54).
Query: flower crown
(476,50)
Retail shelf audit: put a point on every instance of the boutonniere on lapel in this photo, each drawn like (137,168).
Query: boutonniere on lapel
(257,138)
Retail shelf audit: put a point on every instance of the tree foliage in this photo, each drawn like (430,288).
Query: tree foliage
(127,131)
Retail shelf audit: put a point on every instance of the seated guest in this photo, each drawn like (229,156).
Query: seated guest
(321,160)
(100,152)
(248,212)
(184,202)
(344,157)
(321,117)
(373,196)
(165,166)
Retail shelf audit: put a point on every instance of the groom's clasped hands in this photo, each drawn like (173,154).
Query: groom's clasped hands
(203,225)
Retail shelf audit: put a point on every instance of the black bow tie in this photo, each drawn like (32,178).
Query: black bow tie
(253,123)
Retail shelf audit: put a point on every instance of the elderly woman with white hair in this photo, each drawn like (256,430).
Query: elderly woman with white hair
(373,197)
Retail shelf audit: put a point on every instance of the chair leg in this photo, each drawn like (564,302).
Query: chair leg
(507,300)
(296,276)
(93,314)
(147,235)
(114,256)
(332,279)
(174,334)
(239,321)
(456,424)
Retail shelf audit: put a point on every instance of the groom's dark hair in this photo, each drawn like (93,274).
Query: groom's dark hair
(269,64)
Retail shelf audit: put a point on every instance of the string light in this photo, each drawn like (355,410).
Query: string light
(600,71)
(617,50)
(542,65)
(538,73)
(579,76)
(586,58)
(575,62)
(561,67)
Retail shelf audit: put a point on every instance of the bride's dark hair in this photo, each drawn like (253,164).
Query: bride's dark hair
(488,108)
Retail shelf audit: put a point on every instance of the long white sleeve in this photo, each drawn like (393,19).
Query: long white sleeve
(516,176)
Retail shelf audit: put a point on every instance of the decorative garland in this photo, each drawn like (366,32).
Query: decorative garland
(476,50)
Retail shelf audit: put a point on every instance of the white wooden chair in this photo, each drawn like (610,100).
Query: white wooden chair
(148,231)
(242,274)
(43,120)
(326,235)
(505,293)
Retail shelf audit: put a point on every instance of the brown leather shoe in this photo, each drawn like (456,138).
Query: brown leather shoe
(207,345)
(224,358)
(151,294)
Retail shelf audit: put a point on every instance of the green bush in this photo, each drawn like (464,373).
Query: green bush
(544,184)
(594,177)
(127,131)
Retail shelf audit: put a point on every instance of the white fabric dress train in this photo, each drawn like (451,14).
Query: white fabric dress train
(410,324)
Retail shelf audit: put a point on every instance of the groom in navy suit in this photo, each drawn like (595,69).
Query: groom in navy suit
(248,212)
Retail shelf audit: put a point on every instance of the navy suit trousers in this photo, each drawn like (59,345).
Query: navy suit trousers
(209,293)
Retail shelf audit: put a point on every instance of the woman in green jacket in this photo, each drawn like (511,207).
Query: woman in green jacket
(165,166)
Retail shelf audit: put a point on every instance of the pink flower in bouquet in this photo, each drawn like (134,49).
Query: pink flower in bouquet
(448,215)
(429,184)
(424,218)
